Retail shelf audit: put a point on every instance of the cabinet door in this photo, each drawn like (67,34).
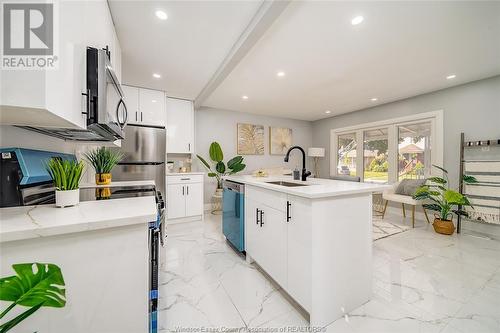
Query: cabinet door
(272,243)
(299,250)
(132,102)
(251,229)
(176,201)
(194,199)
(180,123)
(152,107)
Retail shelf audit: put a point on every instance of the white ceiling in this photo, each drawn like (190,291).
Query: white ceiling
(401,49)
(186,49)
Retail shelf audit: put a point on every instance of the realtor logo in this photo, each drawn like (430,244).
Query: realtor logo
(28,36)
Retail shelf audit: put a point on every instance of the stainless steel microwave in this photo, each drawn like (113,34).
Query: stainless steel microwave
(106,109)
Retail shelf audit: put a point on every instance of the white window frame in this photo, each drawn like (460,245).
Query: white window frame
(437,141)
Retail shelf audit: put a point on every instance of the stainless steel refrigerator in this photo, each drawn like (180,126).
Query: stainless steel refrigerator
(144,149)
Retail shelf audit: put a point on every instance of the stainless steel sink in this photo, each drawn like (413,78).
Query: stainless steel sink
(288,184)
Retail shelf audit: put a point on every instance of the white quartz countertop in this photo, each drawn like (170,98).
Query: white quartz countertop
(27,222)
(317,187)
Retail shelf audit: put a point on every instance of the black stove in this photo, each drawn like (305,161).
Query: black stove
(117,192)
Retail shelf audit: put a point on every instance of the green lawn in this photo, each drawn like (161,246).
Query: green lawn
(378,176)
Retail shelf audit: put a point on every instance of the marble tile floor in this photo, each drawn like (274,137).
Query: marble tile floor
(423,282)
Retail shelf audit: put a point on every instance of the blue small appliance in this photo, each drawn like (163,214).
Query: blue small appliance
(233,214)
(22,168)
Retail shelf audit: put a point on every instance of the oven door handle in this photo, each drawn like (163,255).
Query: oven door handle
(162,228)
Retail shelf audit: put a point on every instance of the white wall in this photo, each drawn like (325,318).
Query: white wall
(15,137)
(221,126)
(472,108)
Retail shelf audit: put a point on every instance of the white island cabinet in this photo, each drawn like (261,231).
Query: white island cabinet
(102,248)
(315,241)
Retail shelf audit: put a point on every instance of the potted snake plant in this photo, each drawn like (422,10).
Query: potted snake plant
(103,160)
(66,176)
(444,201)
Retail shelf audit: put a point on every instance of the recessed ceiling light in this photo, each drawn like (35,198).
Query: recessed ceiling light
(154,101)
(156,75)
(280,74)
(244,97)
(357,20)
(328,111)
(451,76)
(374,99)
(161,15)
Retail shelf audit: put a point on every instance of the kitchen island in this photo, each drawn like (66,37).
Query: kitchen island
(102,249)
(314,238)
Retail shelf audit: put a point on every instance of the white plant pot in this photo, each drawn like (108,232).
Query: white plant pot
(67,198)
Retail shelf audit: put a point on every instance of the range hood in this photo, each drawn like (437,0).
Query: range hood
(105,112)
(45,122)
(72,134)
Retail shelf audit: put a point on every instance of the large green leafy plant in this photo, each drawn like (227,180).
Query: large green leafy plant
(441,198)
(220,170)
(65,174)
(104,159)
(34,286)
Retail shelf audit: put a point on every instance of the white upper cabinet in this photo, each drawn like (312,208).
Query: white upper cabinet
(152,107)
(180,126)
(145,106)
(132,102)
(53,97)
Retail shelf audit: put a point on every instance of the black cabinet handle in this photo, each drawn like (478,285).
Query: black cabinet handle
(261,219)
(135,115)
(141,115)
(187,190)
(288,217)
(257,216)
(183,190)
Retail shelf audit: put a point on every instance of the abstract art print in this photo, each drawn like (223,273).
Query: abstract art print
(250,139)
(280,140)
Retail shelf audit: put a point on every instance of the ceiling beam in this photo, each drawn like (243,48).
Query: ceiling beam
(267,13)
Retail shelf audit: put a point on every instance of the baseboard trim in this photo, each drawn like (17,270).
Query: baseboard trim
(185,219)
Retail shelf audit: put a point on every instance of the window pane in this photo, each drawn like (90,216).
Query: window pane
(414,151)
(375,146)
(346,156)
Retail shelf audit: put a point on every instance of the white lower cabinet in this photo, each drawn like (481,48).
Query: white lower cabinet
(278,238)
(269,251)
(194,199)
(184,196)
(299,250)
(176,201)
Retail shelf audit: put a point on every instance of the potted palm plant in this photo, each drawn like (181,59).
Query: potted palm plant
(443,200)
(66,176)
(103,160)
(234,165)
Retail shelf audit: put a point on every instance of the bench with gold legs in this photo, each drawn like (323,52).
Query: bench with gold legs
(390,195)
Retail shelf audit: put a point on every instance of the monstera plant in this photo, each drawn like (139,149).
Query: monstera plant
(35,285)
(220,170)
(444,201)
